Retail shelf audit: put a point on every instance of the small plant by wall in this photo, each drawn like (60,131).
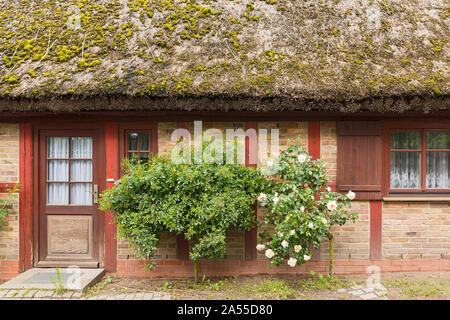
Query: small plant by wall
(6,204)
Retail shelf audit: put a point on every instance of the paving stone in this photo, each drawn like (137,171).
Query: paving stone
(342,290)
(3,293)
(356,287)
(148,296)
(369,296)
(44,294)
(30,294)
(11,293)
(76,295)
(129,296)
(367,290)
(357,292)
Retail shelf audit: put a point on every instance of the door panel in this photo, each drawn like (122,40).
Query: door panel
(68,217)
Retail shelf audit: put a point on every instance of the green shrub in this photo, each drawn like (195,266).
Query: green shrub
(199,201)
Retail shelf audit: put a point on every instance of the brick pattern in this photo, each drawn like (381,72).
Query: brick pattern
(328,147)
(9,153)
(9,173)
(352,240)
(416,230)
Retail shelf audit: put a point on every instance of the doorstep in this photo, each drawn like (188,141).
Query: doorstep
(41,278)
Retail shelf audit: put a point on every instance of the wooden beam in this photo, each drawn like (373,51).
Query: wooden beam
(375,230)
(314,139)
(112,174)
(182,243)
(251,151)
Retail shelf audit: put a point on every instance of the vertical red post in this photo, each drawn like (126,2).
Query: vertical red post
(25,196)
(314,151)
(182,243)
(112,174)
(375,229)
(251,151)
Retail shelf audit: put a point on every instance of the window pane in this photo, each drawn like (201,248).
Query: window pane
(143,156)
(58,193)
(144,142)
(57,148)
(58,170)
(81,170)
(438,140)
(81,193)
(405,140)
(132,142)
(438,170)
(81,148)
(405,170)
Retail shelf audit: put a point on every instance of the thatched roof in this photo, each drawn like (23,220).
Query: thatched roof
(318,54)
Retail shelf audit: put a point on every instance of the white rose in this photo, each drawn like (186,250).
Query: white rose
(324,221)
(269,253)
(306,257)
(284,244)
(302,209)
(328,189)
(275,198)
(332,205)
(351,195)
(269,163)
(292,262)
(280,234)
(292,232)
(262,197)
(311,225)
(260,247)
(297,248)
(302,158)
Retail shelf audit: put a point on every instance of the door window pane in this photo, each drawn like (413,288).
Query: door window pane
(81,148)
(81,170)
(57,148)
(81,193)
(438,170)
(143,156)
(58,170)
(438,140)
(58,193)
(405,140)
(405,170)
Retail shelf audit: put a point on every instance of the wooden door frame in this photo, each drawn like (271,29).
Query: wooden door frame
(69,125)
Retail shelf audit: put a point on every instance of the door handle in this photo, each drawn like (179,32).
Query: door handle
(95,194)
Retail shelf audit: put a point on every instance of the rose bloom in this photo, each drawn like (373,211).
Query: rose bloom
(306,257)
(324,221)
(302,158)
(275,198)
(262,197)
(328,189)
(269,163)
(269,253)
(284,244)
(280,234)
(260,247)
(332,205)
(302,209)
(311,225)
(297,248)
(292,232)
(351,195)
(292,262)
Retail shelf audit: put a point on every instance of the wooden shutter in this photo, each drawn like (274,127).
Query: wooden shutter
(360,158)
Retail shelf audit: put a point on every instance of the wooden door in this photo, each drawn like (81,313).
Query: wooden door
(69,176)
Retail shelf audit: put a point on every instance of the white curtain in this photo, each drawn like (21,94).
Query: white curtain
(80,171)
(405,170)
(438,173)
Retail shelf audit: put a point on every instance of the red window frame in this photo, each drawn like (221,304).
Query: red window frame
(423,161)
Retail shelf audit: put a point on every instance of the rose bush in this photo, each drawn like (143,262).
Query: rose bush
(301,208)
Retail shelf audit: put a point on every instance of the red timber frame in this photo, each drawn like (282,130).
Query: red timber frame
(113,126)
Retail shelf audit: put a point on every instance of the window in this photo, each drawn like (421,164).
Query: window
(420,161)
(138,145)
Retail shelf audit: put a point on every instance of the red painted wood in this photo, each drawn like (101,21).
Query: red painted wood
(25,196)
(251,236)
(4,187)
(314,139)
(112,172)
(182,243)
(375,230)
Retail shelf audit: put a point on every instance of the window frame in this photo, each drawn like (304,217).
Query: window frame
(150,127)
(422,129)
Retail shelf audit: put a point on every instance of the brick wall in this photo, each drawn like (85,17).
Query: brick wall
(416,230)
(328,147)
(9,173)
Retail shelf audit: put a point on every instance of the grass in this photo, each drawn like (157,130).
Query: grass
(99,286)
(275,289)
(419,289)
(321,282)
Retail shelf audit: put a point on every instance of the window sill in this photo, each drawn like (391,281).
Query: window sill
(423,199)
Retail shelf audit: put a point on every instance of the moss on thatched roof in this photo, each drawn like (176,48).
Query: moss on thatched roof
(305,53)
